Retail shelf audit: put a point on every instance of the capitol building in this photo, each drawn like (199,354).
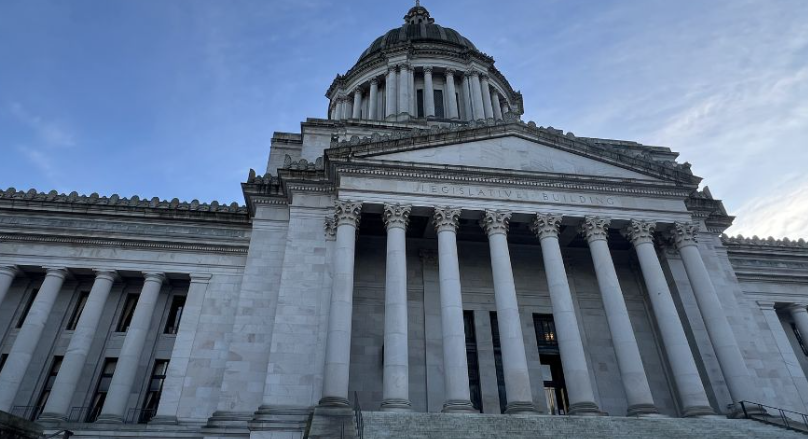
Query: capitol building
(419,251)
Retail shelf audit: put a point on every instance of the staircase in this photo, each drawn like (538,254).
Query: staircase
(386,425)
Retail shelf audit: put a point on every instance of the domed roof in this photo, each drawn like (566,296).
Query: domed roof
(418,27)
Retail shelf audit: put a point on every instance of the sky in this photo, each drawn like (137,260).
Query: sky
(179,98)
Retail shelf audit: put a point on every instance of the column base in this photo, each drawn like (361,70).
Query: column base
(642,410)
(698,411)
(396,405)
(521,408)
(458,406)
(281,418)
(334,401)
(164,420)
(109,419)
(229,419)
(585,409)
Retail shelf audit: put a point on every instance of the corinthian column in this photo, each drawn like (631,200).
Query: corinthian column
(19,358)
(635,383)
(451,97)
(496,105)
(7,275)
(570,344)
(429,94)
(800,315)
(485,90)
(374,93)
(514,360)
(396,378)
(404,73)
(357,103)
(465,85)
(455,364)
(733,366)
(124,377)
(338,346)
(477,109)
(76,355)
(390,94)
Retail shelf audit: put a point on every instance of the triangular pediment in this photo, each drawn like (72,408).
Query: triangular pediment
(513,153)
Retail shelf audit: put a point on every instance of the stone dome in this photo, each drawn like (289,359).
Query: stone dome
(418,27)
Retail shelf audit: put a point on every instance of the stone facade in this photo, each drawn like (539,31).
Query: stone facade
(407,254)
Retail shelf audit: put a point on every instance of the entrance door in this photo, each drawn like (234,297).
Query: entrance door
(552,372)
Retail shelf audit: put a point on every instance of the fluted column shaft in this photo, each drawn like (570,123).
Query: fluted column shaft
(635,382)
(7,275)
(374,95)
(395,393)
(683,365)
(455,363)
(404,89)
(451,95)
(64,387)
(485,90)
(19,358)
(568,334)
(477,110)
(357,104)
(800,315)
(338,345)
(429,94)
(512,343)
(132,349)
(495,104)
(390,93)
(733,366)
(466,93)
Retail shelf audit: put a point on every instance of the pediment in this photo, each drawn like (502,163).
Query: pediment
(513,153)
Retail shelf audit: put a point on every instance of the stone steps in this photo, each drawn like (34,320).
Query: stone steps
(386,425)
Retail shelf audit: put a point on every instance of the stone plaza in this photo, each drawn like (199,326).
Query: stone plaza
(422,250)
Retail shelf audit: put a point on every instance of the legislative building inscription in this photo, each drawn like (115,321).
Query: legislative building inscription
(540,196)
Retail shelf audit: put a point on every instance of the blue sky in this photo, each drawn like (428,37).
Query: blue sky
(180,98)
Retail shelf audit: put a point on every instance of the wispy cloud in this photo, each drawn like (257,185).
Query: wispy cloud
(50,133)
(782,213)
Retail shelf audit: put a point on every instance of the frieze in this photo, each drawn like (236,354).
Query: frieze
(132,228)
(147,245)
(513,194)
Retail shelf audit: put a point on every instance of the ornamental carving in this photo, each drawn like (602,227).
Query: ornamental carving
(427,69)
(347,212)
(450,72)
(640,232)
(546,225)
(496,221)
(446,218)
(594,228)
(684,234)
(330,226)
(396,215)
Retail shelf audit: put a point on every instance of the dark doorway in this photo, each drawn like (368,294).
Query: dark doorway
(551,370)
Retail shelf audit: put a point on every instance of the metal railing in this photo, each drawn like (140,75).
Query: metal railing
(785,418)
(360,422)
(65,434)
(83,414)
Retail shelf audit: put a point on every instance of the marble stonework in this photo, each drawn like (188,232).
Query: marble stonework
(376,240)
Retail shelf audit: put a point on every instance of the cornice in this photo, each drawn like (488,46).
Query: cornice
(130,244)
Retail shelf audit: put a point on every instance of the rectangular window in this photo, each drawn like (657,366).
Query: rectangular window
(545,331)
(471,356)
(74,318)
(128,311)
(154,391)
(43,398)
(420,102)
(174,315)
(101,389)
(438,96)
(503,396)
(800,340)
(27,308)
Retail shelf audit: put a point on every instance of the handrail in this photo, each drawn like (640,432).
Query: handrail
(67,434)
(782,415)
(360,422)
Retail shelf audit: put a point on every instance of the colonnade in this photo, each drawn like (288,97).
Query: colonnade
(546,227)
(481,99)
(57,406)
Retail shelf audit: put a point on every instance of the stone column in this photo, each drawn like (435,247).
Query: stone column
(683,365)
(357,103)
(333,109)
(411,88)
(495,104)
(451,95)
(788,353)
(505,108)
(455,364)
(75,357)
(429,94)
(7,275)
(800,315)
(466,93)
(404,89)
(390,93)
(733,366)
(486,94)
(570,344)
(338,346)
(123,379)
(19,358)
(477,109)
(512,343)
(396,379)
(374,95)
(635,383)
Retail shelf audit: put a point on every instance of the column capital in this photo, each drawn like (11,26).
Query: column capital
(9,270)
(684,234)
(347,212)
(483,75)
(594,228)
(428,69)
(496,221)
(330,226)
(392,69)
(446,218)
(428,257)
(450,72)
(60,272)
(104,273)
(795,308)
(404,66)
(358,91)
(374,81)
(470,72)
(546,225)
(396,215)
(640,232)
(154,276)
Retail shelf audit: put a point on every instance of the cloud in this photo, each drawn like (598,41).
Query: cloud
(41,160)
(781,213)
(50,133)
